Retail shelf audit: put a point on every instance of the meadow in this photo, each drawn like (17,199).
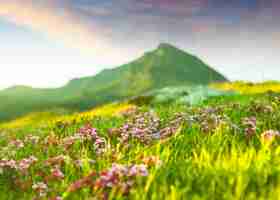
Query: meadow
(222,147)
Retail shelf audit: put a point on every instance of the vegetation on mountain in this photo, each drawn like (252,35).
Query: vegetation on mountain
(165,66)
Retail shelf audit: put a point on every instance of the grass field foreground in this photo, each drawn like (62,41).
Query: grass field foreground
(227,147)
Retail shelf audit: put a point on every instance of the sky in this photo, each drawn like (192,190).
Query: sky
(45,43)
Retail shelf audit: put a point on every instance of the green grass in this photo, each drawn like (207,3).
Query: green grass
(220,163)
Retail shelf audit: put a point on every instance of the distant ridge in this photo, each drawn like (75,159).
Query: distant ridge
(162,67)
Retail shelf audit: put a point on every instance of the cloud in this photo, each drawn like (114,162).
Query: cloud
(58,20)
(112,28)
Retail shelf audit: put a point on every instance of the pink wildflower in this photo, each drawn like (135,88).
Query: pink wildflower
(57,160)
(4,163)
(250,126)
(41,188)
(57,173)
(268,136)
(84,182)
(152,161)
(17,143)
(33,139)
(25,163)
(88,131)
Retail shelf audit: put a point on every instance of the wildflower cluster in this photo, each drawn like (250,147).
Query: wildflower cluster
(86,181)
(29,139)
(119,177)
(41,188)
(20,166)
(57,173)
(267,137)
(32,139)
(172,127)
(256,108)
(54,161)
(142,127)
(209,119)
(86,133)
(250,124)
(145,128)
(17,144)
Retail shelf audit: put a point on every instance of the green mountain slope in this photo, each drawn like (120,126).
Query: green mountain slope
(165,66)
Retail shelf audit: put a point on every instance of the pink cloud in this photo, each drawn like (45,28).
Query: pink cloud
(56,21)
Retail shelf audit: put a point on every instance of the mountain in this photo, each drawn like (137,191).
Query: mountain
(165,66)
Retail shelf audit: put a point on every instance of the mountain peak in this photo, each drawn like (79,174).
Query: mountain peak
(166,46)
(164,67)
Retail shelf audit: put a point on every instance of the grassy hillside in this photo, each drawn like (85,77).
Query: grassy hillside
(226,147)
(165,66)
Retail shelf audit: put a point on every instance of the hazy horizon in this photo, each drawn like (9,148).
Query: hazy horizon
(47,43)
